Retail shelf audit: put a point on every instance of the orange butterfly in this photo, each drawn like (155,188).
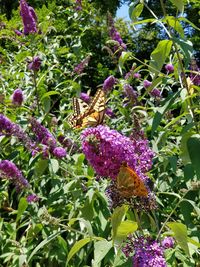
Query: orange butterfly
(129,183)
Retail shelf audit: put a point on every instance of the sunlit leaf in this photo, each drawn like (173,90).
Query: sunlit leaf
(180,233)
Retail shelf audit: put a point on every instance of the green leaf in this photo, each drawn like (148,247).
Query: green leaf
(159,55)
(161,111)
(193,145)
(125,228)
(187,48)
(54,165)
(41,167)
(116,219)
(144,21)
(101,248)
(135,11)
(180,233)
(179,4)
(23,204)
(47,104)
(45,242)
(123,58)
(175,24)
(77,246)
(49,94)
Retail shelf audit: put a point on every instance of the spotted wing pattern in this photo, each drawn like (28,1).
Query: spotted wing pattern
(129,183)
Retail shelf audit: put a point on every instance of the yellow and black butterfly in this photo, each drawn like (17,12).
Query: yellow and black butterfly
(129,183)
(88,115)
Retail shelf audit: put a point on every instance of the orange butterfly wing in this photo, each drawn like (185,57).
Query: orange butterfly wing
(129,183)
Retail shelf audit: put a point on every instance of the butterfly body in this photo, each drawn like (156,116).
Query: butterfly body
(86,115)
(129,183)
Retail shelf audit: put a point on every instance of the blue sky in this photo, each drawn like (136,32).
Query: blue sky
(122,12)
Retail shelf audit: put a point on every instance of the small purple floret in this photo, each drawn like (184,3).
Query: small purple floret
(59,152)
(35,64)
(109,83)
(9,170)
(85,97)
(168,242)
(147,83)
(32,198)
(28,17)
(169,68)
(17,97)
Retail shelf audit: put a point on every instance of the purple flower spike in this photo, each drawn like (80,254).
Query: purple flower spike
(147,252)
(43,134)
(110,113)
(85,97)
(109,83)
(168,242)
(17,97)
(155,92)
(80,67)
(78,5)
(9,170)
(147,83)
(9,128)
(28,17)
(106,149)
(35,64)
(32,198)
(169,68)
(136,75)
(130,93)
(18,32)
(59,152)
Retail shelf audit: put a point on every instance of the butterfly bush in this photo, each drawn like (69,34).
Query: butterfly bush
(147,252)
(17,97)
(85,97)
(9,128)
(29,18)
(47,139)
(109,83)
(8,170)
(81,66)
(35,64)
(106,149)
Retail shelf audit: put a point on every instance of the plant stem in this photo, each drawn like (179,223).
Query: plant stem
(36,91)
(190,104)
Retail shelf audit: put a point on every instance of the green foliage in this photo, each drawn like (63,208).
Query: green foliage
(72,222)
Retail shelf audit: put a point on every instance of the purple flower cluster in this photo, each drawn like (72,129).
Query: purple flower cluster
(147,83)
(147,252)
(9,170)
(130,93)
(85,97)
(168,242)
(9,128)
(114,34)
(155,93)
(78,5)
(109,112)
(80,67)
(68,144)
(106,149)
(169,68)
(35,64)
(17,97)
(195,77)
(109,83)
(47,139)
(29,17)
(32,198)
